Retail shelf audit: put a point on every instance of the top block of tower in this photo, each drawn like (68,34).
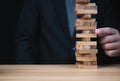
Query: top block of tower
(82,1)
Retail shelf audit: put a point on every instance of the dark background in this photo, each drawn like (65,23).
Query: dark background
(9,18)
(10,14)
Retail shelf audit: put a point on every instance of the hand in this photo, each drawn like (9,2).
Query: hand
(110,40)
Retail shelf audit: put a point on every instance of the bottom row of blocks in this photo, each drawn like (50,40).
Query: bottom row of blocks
(83,66)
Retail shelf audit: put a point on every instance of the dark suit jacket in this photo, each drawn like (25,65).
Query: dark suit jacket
(43,36)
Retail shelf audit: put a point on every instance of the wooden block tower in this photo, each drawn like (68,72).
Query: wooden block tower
(86,48)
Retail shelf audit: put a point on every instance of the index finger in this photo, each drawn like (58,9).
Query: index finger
(101,32)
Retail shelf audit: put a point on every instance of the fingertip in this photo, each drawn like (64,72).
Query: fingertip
(97,31)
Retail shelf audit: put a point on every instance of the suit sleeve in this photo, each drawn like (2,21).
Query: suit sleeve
(26,33)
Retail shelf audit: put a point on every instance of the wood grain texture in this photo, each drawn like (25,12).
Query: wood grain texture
(58,73)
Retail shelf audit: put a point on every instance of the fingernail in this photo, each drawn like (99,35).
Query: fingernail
(97,31)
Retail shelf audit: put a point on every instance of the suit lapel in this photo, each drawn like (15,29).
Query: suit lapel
(60,9)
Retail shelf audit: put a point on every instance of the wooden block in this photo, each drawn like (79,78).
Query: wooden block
(90,63)
(80,66)
(86,16)
(85,27)
(86,51)
(87,63)
(86,58)
(87,23)
(89,6)
(79,12)
(85,20)
(81,24)
(81,47)
(86,35)
(86,43)
(85,54)
(82,1)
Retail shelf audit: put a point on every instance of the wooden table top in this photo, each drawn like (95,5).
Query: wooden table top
(58,73)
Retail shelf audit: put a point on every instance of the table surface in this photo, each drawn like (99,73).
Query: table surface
(58,73)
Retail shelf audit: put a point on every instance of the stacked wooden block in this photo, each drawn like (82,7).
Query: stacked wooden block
(86,48)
